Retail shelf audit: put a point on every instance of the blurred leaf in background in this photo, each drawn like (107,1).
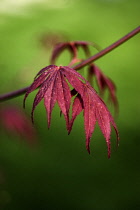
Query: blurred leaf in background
(60,174)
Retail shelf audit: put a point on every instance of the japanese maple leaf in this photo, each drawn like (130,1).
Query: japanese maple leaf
(103,83)
(55,88)
(95,110)
(54,81)
(16,122)
(72,47)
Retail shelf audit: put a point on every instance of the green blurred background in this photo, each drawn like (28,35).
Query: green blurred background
(59,173)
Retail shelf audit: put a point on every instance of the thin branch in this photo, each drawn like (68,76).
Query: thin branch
(80,65)
(108,49)
(13,94)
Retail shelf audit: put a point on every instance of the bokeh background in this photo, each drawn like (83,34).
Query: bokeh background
(59,173)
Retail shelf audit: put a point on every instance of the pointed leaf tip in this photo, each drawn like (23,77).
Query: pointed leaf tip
(88,146)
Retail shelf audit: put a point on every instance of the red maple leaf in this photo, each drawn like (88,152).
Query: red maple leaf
(16,122)
(54,88)
(72,47)
(95,110)
(54,82)
(103,83)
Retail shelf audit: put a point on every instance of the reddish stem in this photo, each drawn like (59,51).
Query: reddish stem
(108,49)
(13,94)
(80,65)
